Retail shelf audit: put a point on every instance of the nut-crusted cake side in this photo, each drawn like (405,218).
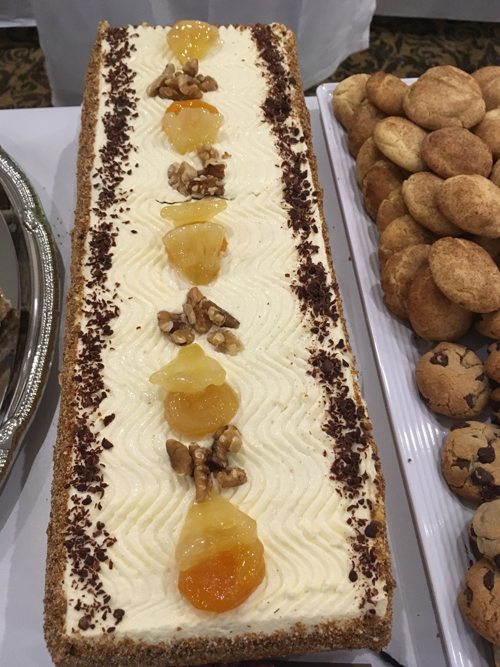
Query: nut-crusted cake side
(104,639)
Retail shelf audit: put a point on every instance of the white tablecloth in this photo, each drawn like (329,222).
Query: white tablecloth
(44,142)
(327,31)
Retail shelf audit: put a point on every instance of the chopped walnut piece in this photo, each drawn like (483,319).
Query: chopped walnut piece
(180,458)
(190,67)
(182,337)
(208,154)
(175,325)
(169,322)
(180,177)
(219,316)
(231,477)
(225,341)
(209,180)
(229,437)
(207,83)
(206,181)
(182,85)
(202,478)
(195,314)
(153,88)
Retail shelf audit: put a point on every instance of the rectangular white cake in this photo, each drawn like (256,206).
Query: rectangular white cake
(314,486)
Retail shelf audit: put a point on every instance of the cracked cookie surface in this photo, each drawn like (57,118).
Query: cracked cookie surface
(466,274)
(471,461)
(452,380)
(484,532)
(479,600)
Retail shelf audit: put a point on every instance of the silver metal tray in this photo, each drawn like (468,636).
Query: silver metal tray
(29,278)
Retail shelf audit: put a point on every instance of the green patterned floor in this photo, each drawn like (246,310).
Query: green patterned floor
(404,47)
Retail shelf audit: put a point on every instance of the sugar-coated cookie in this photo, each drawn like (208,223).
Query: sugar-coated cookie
(432,315)
(466,274)
(491,94)
(484,531)
(492,363)
(399,139)
(347,97)
(398,274)
(391,208)
(451,379)
(488,324)
(387,92)
(471,202)
(488,130)
(451,151)
(444,96)
(492,246)
(379,181)
(486,74)
(419,194)
(361,126)
(367,156)
(471,461)
(479,600)
(495,174)
(399,234)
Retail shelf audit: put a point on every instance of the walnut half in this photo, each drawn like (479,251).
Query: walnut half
(202,478)
(180,458)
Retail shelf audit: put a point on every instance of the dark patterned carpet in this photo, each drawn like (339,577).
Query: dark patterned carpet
(404,47)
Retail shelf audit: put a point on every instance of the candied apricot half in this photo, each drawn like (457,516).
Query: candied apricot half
(219,555)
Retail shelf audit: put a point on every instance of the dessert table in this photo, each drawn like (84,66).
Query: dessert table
(44,142)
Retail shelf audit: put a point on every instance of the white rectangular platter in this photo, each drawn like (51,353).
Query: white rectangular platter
(440,516)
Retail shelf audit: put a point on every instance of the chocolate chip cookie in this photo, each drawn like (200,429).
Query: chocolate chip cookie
(492,363)
(452,380)
(471,461)
(484,532)
(488,324)
(479,600)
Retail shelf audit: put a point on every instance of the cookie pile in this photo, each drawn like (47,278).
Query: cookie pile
(428,165)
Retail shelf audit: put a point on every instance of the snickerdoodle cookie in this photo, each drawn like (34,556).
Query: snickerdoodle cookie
(361,126)
(387,92)
(379,181)
(391,208)
(401,233)
(488,130)
(444,96)
(419,194)
(466,274)
(432,315)
(471,202)
(451,151)
(347,97)
(399,139)
(398,274)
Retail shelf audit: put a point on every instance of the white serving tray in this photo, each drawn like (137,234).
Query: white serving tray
(440,516)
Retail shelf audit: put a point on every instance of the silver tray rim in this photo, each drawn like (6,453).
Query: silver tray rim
(27,385)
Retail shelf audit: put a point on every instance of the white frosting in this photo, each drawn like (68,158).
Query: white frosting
(301,518)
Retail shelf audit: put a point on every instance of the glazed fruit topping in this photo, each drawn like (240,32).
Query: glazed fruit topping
(192,39)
